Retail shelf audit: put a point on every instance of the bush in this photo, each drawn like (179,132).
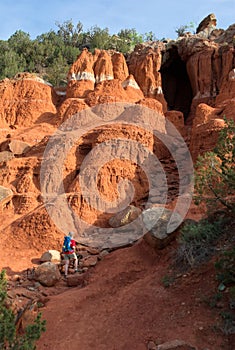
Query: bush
(226,268)
(215,173)
(197,242)
(9,338)
(183,29)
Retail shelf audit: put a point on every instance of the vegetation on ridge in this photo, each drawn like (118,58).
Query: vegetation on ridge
(52,53)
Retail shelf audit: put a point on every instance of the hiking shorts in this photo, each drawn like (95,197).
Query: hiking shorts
(70,256)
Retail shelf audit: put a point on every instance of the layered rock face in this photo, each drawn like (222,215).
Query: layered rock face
(25,101)
(209,57)
(189,81)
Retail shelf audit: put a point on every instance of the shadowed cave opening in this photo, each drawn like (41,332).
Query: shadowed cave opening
(175,83)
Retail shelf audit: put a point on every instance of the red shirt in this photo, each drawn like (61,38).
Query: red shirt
(72,246)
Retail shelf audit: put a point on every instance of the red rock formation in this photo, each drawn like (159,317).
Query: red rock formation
(108,91)
(152,104)
(25,101)
(81,75)
(227,91)
(204,113)
(177,119)
(82,68)
(208,65)
(209,21)
(104,78)
(132,88)
(144,64)
(79,89)
(70,107)
(204,137)
(103,67)
(120,69)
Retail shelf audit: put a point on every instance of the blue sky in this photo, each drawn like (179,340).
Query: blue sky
(162,17)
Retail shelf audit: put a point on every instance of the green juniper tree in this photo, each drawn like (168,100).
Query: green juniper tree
(9,338)
(215,172)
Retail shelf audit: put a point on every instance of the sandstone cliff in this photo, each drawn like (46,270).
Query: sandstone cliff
(189,81)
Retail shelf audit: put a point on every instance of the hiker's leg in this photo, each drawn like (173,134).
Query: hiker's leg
(76,264)
(66,266)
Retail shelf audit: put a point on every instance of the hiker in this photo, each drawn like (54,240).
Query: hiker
(69,252)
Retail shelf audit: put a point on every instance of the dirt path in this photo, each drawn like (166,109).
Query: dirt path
(125,305)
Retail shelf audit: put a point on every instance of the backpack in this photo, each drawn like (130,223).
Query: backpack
(66,244)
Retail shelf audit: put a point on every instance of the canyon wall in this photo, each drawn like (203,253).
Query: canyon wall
(189,81)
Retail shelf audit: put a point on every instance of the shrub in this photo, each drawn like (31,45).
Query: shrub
(197,242)
(9,338)
(183,29)
(226,268)
(215,173)
(167,280)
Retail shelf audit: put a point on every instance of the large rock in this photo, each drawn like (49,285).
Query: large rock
(89,261)
(5,156)
(18,147)
(160,223)
(209,63)
(209,22)
(77,279)
(175,345)
(125,216)
(5,197)
(47,274)
(51,255)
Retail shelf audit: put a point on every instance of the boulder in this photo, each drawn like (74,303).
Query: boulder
(18,147)
(28,318)
(175,345)
(77,280)
(89,261)
(5,197)
(156,221)
(208,22)
(51,255)
(5,156)
(125,216)
(47,274)
(152,345)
